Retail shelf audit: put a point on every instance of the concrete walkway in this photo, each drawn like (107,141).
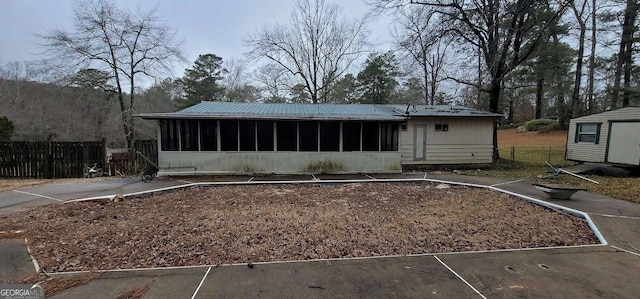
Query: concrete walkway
(592,271)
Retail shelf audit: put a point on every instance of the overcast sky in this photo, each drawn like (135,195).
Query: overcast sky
(206,26)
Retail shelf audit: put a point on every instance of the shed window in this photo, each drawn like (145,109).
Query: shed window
(228,135)
(329,136)
(308,134)
(189,135)
(370,136)
(389,137)
(442,128)
(351,136)
(247,135)
(287,136)
(265,136)
(208,135)
(588,132)
(169,134)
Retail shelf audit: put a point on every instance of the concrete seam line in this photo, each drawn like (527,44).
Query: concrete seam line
(183,181)
(159,190)
(33,259)
(38,195)
(369,176)
(627,251)
(460,277)
(201,282)
(616,216)
(506,183)
(251,179)
(109,197)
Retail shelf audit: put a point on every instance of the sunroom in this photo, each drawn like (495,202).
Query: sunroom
(239,138)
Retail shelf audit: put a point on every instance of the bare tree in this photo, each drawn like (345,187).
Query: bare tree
(625,59)
(579,14)
(129,45)
(235,77)
(274,81)
(317,45)
(418,35)
(592,59)
(505,32)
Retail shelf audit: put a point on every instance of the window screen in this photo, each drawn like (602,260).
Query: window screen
(208,135)
(329,136)
(308,134)
(265,136)
(228,135)
(389,137)
(189,135)
(169,134)
(370,137)
(247,135)
(351,136)
(287,136)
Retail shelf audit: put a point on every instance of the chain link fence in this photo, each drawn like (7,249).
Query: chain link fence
(535,155)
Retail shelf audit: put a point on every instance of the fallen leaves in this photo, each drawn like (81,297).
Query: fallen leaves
(242,224)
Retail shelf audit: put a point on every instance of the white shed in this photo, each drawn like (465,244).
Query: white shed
(607,137)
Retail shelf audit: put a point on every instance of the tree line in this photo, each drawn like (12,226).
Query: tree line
(525,59)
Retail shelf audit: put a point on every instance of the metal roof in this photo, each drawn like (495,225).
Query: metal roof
(232,110)
(442,111)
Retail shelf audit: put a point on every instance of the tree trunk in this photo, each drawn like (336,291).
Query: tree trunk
(425,71)
(624,52)
(592,59)
(130,137)
(575,98)
(494,104)
(561,107)
(628,38)
(539,85)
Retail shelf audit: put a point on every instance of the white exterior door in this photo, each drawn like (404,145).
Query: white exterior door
(419,142)
(624,143)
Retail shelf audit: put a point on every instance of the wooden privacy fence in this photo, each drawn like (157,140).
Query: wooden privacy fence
(126,161)
(49,159)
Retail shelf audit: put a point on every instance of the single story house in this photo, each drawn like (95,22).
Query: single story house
(607,137)
(235,138)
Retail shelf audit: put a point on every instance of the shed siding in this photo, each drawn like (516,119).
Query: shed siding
(589,152)
(468,141)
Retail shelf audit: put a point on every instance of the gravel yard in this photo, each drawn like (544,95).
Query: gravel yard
(259,223)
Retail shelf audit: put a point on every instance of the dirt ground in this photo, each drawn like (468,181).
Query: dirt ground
(511,137)
(242,224)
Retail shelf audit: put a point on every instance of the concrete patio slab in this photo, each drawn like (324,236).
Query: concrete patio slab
(593,272)
(404,277)
(107,288)
(15,261)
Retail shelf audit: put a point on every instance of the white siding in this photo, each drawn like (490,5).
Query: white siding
(468,141)
(624,143)
(589,152)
